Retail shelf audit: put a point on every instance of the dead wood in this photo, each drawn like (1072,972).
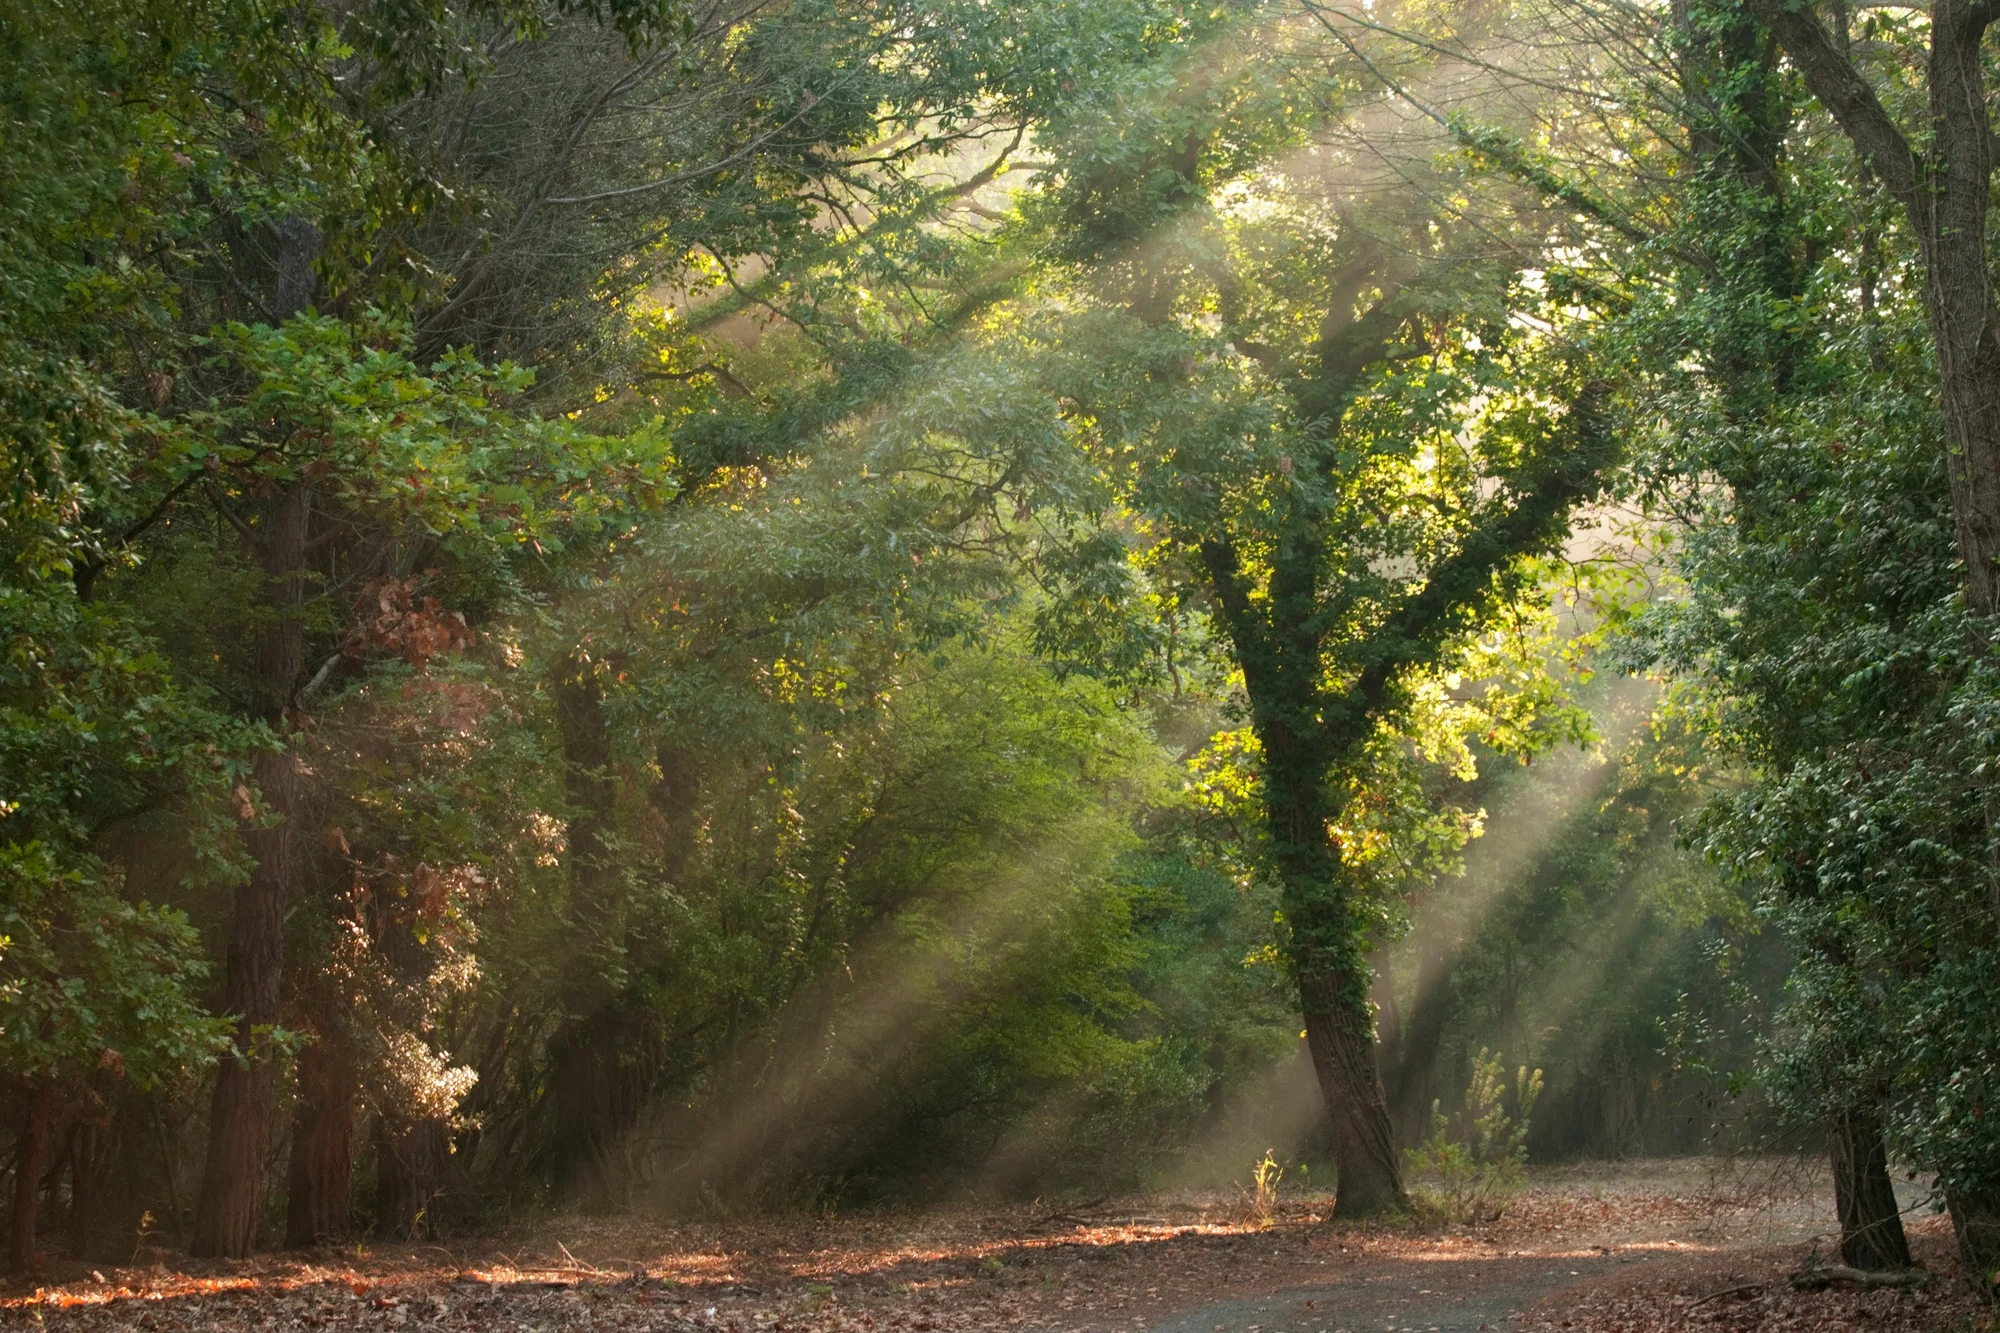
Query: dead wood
(1819,1279)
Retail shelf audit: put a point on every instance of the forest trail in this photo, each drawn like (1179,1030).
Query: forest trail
(1640,1246)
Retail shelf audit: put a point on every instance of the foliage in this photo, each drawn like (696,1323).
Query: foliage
(1264,1178)
(1472,1162)
(92,984)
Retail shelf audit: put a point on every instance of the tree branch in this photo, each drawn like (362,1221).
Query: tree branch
(249,533)
(1848,98)
(1462,584)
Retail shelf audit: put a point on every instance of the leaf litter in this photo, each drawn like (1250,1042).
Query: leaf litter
(1660,1248)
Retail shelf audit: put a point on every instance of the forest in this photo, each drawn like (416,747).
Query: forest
(777,613)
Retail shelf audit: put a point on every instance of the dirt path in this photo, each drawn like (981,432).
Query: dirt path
(1644,1247)
(1463,1297)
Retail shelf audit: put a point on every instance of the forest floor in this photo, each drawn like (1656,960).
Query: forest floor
(1626,1248)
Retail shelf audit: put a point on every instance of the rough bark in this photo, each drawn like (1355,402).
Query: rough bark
(409,1177)
(31,1160)
(320,1182)
(1975,1222)
(240,1114)
(225,1223)
(1871,1223)
(1341,1037)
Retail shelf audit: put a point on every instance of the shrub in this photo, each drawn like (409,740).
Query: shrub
(1471,1164)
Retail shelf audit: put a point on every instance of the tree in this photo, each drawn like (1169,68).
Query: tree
(1747,228)
(1283,396)
(1942,176)
(94,989)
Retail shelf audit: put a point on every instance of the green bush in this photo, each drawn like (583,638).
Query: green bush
(1471,1164)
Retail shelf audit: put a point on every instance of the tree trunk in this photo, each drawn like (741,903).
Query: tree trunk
(322,1169)
(1341,1036)
(1975,1221)
(1964,317)
(30,1161)
(409,1177)
(225,1224)
(239,1127)
(1944,183)
(1871,1223)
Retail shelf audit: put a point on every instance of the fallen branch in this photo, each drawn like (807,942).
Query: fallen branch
(1074,1216)
(1747,1289)
(1819,1279)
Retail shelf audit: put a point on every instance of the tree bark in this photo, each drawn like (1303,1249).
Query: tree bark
(226,1214)
(1964,318)
(240,1114)
(409,1177)
(31,1159)
(1871,1223)
(1340,1034)
(1975,1222)
(320,1186)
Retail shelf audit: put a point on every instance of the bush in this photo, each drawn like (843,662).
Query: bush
(1471,1164)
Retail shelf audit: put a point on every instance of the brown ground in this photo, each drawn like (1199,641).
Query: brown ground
(1639,1246)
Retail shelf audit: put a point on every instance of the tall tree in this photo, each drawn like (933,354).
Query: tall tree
(1284,392)
(1941,172)
(1745,227)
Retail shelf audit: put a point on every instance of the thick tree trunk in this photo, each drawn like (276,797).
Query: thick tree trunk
(1341,1036)
(240,1115)
(1871,1223)
(1944,183)
(1968,340)
(1964,317)
(320,1184)
(31,1159)
(239,1127)
(1975,1221)
(409,1177)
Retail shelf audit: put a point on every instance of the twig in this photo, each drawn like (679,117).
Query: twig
(319,678)
(578,1264)
(1073,1215)
(1747,1289)
(1819,1279)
